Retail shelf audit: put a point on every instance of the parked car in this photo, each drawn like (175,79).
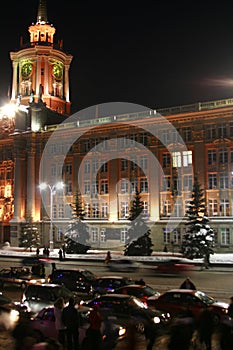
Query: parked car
(44,325)
(178,301)
(174,266)
(106,284)
(78,280)
(129,310)
(141,292)
(36,296)
(10,312)
(16,275)
(122,265)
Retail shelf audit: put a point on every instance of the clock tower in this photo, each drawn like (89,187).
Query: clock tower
(41,67)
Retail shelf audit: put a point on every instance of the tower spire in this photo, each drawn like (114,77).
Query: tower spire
(42,12)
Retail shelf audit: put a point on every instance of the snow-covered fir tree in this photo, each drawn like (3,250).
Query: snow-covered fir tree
(29,236)
(77,235)
(198,240)
(138,241)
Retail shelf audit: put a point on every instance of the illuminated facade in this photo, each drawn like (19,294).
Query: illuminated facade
(107,157)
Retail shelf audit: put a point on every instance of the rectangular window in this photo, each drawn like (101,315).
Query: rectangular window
(145,210)
(143,162)
(124,164)
(87,210)
(225,236)
(104,187)
(124,210)
(211,131)
(95,210)
(124,232)
(187,158)
(223,156)
(212,181)
(143,186)
(95,166)
(87,187)
(104,167)
(222,130)
(212,157)
(224,207)
(68,168)
(61,211)
(166,160)
(176,159)
(176,236)
(166,235)
(102,235)
(178,209)
(94,234)
(213,207)
(166,183)
(187,134)
(104,210)
(166,209)
(223,180)
(188,182)
(87,167)
(124,186)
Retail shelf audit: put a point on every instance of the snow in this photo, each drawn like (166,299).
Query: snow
(225,258)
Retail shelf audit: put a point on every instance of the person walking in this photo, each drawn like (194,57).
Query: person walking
(188,284)
(93,333)
(60,327)
(60,254)
(205,327)
(70,318)
(230,308)
(108,257)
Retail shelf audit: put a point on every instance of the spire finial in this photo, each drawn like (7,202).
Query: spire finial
(42,12)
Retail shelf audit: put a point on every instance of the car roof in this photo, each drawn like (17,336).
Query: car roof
(184,291)
(134,286)
(114,277)
(114,296)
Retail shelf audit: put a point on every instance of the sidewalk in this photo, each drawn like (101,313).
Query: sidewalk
(219,262)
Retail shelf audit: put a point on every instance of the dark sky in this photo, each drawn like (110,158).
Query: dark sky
(156,54)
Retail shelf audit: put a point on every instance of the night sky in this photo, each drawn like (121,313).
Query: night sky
(149,53)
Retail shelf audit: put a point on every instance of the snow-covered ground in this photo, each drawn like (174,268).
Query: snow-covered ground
(226,258)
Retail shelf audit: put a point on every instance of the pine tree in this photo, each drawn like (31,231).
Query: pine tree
(29,237)
(138,240)
(77,235)
(198,241)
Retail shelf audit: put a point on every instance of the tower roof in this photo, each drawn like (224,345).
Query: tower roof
(42,12)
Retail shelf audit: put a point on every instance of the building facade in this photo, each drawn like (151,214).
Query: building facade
(106,157)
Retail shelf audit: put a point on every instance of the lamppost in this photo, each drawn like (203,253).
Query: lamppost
(52,188)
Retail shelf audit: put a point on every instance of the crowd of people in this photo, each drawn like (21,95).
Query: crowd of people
(185,332)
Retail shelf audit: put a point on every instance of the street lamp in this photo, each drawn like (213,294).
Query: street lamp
(52,188)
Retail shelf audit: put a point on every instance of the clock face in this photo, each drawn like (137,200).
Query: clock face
(26,70)
(57,71)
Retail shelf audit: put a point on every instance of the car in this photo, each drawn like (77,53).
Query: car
(16,275)
(44,326)
(78,280)
(174,266)
(106,284)
(10,313)
(142,292)
(122,265)
(129,310)
(179,301)
(35,259)
(39,295)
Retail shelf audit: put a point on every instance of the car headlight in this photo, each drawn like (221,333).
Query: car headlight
(121,331)
(156,319)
